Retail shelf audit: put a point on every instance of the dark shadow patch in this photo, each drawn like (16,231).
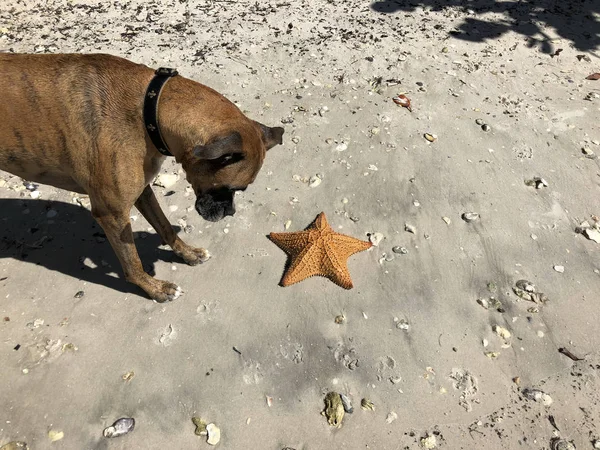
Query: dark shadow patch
(71,237)
(572,20)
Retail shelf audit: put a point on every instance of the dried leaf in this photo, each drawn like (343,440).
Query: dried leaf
(594,76)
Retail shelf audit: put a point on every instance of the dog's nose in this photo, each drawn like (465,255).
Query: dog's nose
(230,210)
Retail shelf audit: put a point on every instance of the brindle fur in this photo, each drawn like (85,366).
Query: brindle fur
(75,122)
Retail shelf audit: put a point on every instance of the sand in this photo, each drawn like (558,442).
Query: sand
(257,359)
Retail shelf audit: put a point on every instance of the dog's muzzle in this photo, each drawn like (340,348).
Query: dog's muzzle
(215,205)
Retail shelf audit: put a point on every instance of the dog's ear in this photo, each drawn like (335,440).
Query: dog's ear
(271,136)
(227,145)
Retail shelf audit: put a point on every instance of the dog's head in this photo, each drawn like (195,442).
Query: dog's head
(228,162)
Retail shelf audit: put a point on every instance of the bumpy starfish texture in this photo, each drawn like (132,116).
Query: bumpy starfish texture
(318,250)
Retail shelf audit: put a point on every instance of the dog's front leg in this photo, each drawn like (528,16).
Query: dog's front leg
(148,205)
(117,227)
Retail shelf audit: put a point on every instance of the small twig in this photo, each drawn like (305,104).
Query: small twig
(568,354)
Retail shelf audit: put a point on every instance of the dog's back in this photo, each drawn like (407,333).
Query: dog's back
(52,103)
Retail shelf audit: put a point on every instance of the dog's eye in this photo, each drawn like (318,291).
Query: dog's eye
(229,158)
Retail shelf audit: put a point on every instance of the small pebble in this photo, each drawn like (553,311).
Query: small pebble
(391,417)
(400,250)
(559,269)
(485,127)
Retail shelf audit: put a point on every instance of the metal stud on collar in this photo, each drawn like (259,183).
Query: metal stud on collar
(151,99)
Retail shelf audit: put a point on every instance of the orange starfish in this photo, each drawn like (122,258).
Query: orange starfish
(318,250)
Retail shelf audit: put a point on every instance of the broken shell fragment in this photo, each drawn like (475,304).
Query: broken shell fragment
(429,441)
(334,409)
(561,444)
(403,101)
(592,234)
(339,319)
(15,445)
(537,183)
(367,405)
(214,434)
(375,238)
(122,426)
(430,137)
(470,216)
(391,417)
(347,403)
(537,395)
(55,435)
(200,426)
(502,332)
(527,286)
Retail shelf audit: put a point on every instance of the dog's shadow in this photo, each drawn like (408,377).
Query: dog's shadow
(64,237)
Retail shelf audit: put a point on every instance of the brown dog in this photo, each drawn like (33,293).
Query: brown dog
(76,122)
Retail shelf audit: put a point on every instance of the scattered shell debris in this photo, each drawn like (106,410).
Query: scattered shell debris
(537,395)
(527,291)
(367,405)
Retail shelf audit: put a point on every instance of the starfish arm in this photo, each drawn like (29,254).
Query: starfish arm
(290,243)
(336,271)
(303,265)
(345,246)
(320,222)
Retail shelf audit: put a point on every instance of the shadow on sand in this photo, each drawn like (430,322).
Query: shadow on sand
(573,20)
(70,242)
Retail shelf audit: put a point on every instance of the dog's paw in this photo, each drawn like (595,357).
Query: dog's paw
(166,292)
(194,256)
